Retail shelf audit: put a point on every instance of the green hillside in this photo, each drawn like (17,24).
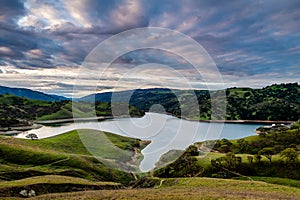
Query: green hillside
(274,153)
(87,109)
(65,155)
(39,185)
(62,164)
(18,111)
(188,188)
(275,102)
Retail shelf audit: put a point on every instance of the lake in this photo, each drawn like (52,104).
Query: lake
(165,132)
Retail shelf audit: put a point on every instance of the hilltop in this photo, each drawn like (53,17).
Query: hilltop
(20,111)
(66,155)
(31,94)
(275,102)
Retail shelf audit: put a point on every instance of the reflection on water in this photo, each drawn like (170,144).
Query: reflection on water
(164,131)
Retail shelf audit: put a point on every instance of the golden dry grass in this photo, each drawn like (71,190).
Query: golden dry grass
(190,188)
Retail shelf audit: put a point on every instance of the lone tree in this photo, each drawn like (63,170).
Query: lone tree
(290,155)
(250,159)
(257,158)
(32,136)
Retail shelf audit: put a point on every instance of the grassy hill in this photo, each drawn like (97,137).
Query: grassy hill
(272,154)
(275,102)
(63,164)
(188,188)
(87,109)
(65,155)
(31,94)
(16,111)
(50,184)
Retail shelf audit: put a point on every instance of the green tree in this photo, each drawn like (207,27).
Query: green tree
(243,145)
(250,159)
(290,155)
(192,150)
(230,159)
(268,152)
(224,148)
(257,158)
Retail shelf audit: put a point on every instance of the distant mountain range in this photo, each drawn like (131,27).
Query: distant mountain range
(31,94)
(275,102)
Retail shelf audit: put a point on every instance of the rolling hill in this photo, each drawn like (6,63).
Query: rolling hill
(31,94)
(16,111)
(275,102)
(66,155)
(188,188)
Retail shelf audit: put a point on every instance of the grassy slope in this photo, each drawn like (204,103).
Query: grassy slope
(66,112)
(191,188)
(12,99)
(204,161)
(86,109)
(50,184)
(276,102)
(27,109)
(63,154)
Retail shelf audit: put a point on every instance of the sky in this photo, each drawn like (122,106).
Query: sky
(44,45)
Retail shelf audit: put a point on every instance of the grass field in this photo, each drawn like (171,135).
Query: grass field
(65,154)
(52,183)
(86,110)
(278,181)
(190,188)
(67,111)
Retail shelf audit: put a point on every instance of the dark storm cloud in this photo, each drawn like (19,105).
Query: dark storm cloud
(244,38)
(145,56)
(258,33)
(10,10)
(23,44)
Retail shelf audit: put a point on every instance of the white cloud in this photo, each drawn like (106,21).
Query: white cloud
(5,50)
(77,10)
(35,53)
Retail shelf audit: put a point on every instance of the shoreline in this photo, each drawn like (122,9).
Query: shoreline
(241,121)
(37,124)
(246,121)
(86,119)
(58,121)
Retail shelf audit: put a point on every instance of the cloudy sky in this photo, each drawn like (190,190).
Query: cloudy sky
(44,43)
